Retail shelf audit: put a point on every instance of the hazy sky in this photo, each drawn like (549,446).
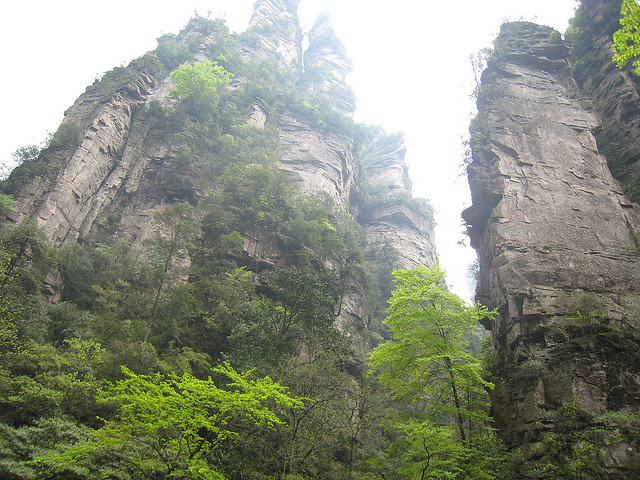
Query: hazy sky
(412,72)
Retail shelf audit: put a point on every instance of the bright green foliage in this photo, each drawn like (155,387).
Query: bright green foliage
(169,426)
(425,365)
(196,84)
(429,327)
(627,39)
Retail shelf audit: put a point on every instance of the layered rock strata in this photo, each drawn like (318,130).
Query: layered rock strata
(67,202)
(409,232)
(558,249)
(124,168)
(318,161)
(615,92)
(326,66)
(274,31)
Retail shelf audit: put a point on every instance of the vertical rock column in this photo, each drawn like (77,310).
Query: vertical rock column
(558,248)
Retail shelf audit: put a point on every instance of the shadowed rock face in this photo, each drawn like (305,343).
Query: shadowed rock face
(557,244)
(615,92)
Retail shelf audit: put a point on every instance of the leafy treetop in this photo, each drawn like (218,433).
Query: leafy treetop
(196,84)
(627,39)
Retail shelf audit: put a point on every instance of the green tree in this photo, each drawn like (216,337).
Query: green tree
(197,84)
(19,446)
(627,39)
(27,256)
(428,368)
(168,251)
(171,426)
(7,205)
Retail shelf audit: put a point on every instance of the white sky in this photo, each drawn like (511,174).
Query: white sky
(412,73)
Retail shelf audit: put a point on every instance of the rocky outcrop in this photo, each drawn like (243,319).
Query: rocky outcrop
(384,164)
(326,66)
(615,92)
(558,249)
(65,203)
(389,218)
(318,161)
(274,32)
(139,150)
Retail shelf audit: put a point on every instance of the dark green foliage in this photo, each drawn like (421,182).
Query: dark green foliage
(67,136)
(633,193)
(32,161)
(123,79)
(43,381)
(171,51)
(574,449)
(301,313)
(20,446)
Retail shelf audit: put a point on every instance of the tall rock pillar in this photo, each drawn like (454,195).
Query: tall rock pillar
(559,254)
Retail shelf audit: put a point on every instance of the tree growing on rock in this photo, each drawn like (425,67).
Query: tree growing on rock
(197,85)
(626,41)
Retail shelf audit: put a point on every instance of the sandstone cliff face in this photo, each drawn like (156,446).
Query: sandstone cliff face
(557,245)
(411,234)
(66,203)
(274,29)
(124,167)
(615,92)
(318,161)
(326,66)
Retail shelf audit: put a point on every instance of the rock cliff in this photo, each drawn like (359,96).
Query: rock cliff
(387,220)
(274,29)
(127,150)
(558,246)
(615,92)
(326,66)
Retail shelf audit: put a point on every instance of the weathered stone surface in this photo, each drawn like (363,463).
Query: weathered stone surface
(318,161)
(326,66)
(615,92)
(557,245)
(259,114)
(385,166)
(409,233)
(274,32)
(66,206)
